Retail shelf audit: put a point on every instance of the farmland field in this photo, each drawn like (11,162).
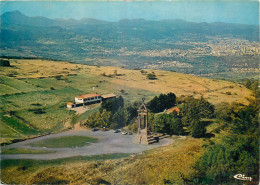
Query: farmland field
(34,93)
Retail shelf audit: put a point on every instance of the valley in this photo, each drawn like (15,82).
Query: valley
(215,50)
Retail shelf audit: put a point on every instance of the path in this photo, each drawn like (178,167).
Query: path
(110,142)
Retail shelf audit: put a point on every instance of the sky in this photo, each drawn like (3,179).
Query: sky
(243,12)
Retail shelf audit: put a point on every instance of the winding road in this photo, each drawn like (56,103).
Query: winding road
(110,142)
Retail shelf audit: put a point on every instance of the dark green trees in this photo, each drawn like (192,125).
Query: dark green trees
(114,114)
(5,63)
(235,152)
(192,111)
(164,101)
(113,105)
(197,129)
(167,123)
(99,119)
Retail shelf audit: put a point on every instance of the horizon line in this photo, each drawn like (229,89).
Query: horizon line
(56,18)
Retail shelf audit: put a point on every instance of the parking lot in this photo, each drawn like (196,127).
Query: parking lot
(109,142)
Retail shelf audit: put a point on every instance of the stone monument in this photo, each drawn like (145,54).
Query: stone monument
(143,135)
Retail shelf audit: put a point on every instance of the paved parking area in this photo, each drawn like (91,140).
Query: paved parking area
(110,142)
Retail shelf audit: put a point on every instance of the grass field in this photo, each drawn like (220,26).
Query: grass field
(65,142)
(21,171)
(34,93)
(24,151)
(171,164)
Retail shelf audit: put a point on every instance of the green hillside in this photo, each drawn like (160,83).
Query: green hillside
(34,97)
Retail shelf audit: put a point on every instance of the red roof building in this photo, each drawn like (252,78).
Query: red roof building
(171,110)
(88,98)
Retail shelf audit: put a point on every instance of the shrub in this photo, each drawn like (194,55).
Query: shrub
(151,76)
(5,63)
(228,93)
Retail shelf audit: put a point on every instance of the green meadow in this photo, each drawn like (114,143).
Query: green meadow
(65,142)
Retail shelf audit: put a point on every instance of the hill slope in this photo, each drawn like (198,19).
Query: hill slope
(35,92)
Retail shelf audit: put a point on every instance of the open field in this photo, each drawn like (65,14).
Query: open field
(41,73)
(35,92)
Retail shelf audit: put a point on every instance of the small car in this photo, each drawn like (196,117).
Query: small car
(94,129)
(124,133)
(116,131)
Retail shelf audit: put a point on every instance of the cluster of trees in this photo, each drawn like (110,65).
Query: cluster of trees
(162,102)
(192,111)
(167,123)
(99,119)
(113,114)
(236,151)
(253,85)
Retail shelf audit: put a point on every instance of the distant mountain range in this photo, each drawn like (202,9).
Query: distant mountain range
(115,43)
(132,28)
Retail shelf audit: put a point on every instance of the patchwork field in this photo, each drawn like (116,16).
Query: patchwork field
(34,93)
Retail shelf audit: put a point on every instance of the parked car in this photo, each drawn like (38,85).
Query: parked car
(94,129)
(116,131)
(124,133)
(129,133)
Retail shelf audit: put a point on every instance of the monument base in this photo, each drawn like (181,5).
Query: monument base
(142,137)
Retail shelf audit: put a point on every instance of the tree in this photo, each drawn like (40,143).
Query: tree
(113,105)
(118,118)
(167,123)
(177,126)
(99,119)
(195,109)
(197,129)
(164,101)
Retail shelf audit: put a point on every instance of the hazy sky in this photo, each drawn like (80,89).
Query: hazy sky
(245,12)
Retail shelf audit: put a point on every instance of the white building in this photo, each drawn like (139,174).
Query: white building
(86,99)
(70,105)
